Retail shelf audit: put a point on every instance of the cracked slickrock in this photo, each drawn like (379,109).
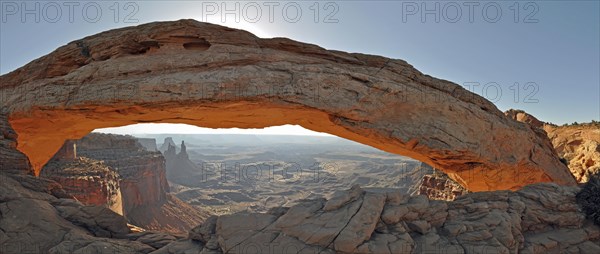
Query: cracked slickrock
(37,215)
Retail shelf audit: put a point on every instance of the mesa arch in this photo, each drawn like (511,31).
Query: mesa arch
(212,76)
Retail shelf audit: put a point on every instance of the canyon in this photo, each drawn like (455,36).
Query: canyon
(481,180)
(254,173)
(120,173)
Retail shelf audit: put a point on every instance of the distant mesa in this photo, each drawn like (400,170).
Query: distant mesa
(180,169)
(166,144)
(148,143)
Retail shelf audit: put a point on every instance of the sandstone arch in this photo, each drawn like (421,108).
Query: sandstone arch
(212,76)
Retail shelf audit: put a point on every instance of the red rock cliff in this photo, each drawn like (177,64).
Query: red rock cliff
(143,179)
(143,182)
(90,181)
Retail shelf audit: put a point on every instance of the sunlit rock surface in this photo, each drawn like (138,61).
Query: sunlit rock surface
(577,144)
(212,76)
(90,181)
(580,146)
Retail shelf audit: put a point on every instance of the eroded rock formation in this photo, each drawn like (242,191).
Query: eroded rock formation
(143,180)
(435,185)
(541,218)
(578,144)
(212,76)
(524,117)
(129,170)
(180,169)
(166,144)
(90,181)
(36,215)
(148,143)
(439,187)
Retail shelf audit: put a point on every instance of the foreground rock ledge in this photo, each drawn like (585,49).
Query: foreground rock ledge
(212,76)
(37,217)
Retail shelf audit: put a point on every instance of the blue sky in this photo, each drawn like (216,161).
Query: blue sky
(543,58)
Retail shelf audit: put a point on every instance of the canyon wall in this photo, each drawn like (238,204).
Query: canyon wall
(11,159)
(132,175)
(212,76)
(89,181)
(143,180)
(577,144)
(148,143)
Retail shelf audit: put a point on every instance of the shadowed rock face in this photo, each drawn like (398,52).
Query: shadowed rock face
(11,159)
(36,216)
(439,187)
(148,143)
(212,76)
(540,218)
(143,183)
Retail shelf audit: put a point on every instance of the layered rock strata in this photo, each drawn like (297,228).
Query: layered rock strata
(577,144)
(118,172)
(90,181)
(36,215)
(541,218)
(439,187)
(212,76)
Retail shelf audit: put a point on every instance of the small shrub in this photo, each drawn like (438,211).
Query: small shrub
(589,199)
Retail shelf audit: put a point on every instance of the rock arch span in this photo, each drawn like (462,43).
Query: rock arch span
(212,76)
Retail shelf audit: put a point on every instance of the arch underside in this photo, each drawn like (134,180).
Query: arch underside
(229,78)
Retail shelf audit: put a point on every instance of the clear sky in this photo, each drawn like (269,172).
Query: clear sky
(540,56)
